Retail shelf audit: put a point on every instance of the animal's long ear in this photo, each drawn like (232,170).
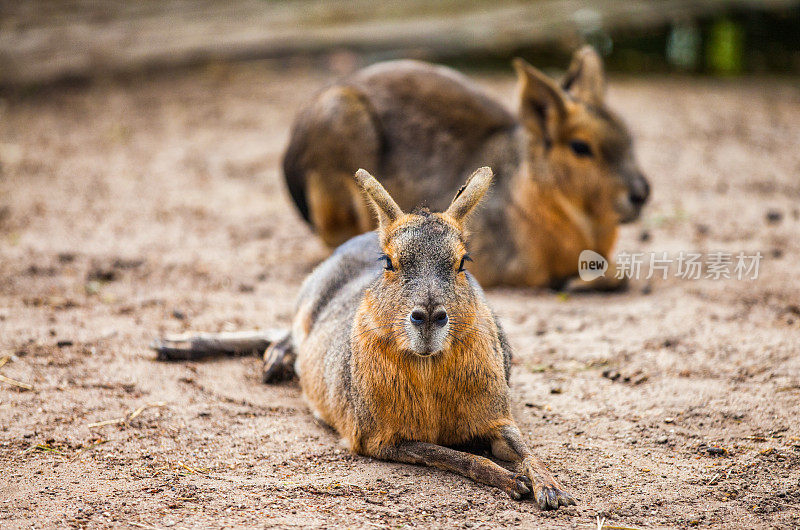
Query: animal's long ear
(542,107)
(382,203)
(470,194)
(586,79)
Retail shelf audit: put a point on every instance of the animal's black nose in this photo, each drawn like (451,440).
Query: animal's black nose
(637,199)
(640,191)
(439,316)
(419,316)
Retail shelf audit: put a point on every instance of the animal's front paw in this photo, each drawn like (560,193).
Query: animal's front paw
(550,497)
(603,284)
(548,493)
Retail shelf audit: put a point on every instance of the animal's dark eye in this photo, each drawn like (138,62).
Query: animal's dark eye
(465,259)
(388,262)
(580,148)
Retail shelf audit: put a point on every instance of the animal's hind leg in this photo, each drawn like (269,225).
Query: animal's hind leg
(336,208)
(196,346)
(279,361)
(343,135)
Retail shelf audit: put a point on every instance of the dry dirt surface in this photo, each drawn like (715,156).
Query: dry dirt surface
(134,208)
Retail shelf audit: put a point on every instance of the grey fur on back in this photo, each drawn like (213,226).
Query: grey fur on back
(333,292)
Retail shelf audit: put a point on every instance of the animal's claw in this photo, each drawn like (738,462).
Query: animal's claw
(519,488)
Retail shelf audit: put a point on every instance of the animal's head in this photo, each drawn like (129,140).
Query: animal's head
(424,299)
(586,148)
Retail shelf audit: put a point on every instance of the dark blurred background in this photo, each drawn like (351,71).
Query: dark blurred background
(48,41)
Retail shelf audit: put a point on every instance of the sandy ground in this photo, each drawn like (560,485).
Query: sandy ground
(131,209)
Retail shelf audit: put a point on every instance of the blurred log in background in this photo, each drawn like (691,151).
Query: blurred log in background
(45,41)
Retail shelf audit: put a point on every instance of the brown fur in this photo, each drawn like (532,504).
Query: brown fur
(422,127)
(403,357)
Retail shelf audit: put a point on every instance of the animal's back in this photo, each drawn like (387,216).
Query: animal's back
(434,120)
(326,306)
(422,126)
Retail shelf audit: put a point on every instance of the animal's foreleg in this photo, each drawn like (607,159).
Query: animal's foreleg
(478,468)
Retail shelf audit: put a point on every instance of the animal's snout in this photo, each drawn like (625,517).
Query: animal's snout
(639,191)
(421,316)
